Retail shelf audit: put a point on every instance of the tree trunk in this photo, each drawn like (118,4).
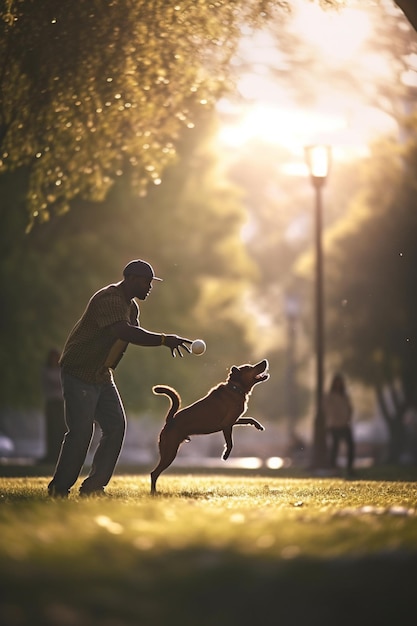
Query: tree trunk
(396,440)
(394,419)
(409,8)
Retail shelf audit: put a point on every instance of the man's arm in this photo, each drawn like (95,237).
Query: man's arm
(141,337)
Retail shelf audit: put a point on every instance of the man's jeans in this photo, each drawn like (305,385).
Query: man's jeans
(85,404)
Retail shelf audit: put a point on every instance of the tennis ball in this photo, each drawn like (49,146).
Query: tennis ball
(198,346)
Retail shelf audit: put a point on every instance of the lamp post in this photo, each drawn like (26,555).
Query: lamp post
(318,161)
(292,312)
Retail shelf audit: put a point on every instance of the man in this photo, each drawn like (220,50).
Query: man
(93,349)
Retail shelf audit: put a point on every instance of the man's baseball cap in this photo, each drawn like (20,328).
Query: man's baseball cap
(140,268)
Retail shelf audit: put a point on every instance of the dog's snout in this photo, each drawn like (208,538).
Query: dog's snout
(261,370)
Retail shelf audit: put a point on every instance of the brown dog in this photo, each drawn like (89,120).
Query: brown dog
(218,411)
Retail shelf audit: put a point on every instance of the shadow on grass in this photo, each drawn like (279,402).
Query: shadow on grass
(200,587)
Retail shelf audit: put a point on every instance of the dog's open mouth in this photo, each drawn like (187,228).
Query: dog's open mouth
(263,374)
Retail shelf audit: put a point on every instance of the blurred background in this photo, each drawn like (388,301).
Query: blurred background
(176,134)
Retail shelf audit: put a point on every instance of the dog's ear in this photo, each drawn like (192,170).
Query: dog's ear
(234,373)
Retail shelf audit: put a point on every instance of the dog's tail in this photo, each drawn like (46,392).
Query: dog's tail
(173,396)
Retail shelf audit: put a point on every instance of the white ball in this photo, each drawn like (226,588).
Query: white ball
(198,346)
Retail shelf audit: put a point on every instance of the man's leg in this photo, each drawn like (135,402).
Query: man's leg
(80,406)
(111,418)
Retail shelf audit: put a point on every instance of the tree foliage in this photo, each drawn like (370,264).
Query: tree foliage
(382,72)
(89,88)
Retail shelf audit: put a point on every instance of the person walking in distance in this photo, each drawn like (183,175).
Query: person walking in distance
(92,351)
(54,406)
(338,412)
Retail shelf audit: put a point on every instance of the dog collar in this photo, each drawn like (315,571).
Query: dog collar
(238,390)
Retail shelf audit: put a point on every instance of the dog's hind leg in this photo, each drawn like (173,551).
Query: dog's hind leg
(168,454)
(227,432)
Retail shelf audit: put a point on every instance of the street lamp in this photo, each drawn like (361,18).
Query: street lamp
(318,159)
(292,313)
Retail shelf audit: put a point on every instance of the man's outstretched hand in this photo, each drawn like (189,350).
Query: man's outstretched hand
(175,344)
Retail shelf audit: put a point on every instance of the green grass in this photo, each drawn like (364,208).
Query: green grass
(211,550)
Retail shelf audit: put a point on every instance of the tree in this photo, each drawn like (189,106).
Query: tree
(88,89)
(372,321)
(91,88)
(409,8)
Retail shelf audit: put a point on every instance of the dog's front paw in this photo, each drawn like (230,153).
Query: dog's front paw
(226,455)
(259,427)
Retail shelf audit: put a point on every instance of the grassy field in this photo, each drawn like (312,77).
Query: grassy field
(211,550)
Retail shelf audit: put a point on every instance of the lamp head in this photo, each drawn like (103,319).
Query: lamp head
(318,159)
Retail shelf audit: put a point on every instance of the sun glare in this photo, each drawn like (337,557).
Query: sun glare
(336,117)
(338,34)
(288,128)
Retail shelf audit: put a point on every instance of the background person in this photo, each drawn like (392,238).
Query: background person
(92,351)
(338,412)
(54,406)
